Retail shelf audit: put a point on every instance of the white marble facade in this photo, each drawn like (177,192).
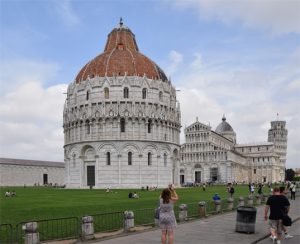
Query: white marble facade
(20,172)
(209,155)
(106,132)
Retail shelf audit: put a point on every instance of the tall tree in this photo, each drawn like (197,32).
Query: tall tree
(289,174)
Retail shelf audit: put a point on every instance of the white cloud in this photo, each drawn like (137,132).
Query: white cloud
(249,98)
(197,63)
(19,71)
(31,113)
(276,16)
(175,59)
(66,12)
(31,122)
(294,86)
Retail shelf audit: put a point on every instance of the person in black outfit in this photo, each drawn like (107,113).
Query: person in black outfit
(278,205)
(259,191)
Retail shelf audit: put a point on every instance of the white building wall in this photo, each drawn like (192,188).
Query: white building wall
(20,175)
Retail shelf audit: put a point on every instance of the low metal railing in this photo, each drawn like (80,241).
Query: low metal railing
(108,221)
(6,233)
(52,229)
(144,216)
(69,228)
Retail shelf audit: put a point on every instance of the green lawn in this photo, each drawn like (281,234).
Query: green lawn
(36,203)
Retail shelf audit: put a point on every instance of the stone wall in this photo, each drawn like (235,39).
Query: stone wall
(20,175)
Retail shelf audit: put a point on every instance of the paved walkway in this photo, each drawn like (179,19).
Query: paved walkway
(217,229)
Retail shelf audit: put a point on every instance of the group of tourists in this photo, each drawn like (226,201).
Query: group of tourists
(133,195)
(9,193)
(276,211)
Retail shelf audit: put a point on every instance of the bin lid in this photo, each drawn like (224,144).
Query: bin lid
(246,209)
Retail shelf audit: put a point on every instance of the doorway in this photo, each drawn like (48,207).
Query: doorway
(181,179)
(90,169)
(45,179)
(197,176)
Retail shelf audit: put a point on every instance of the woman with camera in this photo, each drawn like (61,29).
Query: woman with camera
(167,220)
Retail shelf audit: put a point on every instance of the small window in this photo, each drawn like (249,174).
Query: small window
(126,92)
(88,127)
(149,158)
(144,93)
(122,125)
(130,158)
(160,96)
(149,125)
(254,171)
(74,160)
(106,93)
(165,159)
(87,95)
(108,158)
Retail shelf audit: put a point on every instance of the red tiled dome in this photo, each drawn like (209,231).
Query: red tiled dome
(121,55)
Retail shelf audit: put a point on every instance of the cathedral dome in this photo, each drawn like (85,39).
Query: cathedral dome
(121,57)
(224,127)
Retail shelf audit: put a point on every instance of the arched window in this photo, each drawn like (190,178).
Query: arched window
(160,96)
(87,95)
(165,159)
(122,125)
(144,93)
(149,158)
(108,158)
(106,93)
(149,125)
(88,127)
(129,158)
(126,92)
(74,160)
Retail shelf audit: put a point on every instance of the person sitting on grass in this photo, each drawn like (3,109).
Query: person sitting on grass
(135,195)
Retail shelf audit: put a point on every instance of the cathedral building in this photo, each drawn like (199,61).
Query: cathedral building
(121,125)
(121,120)
(209,155)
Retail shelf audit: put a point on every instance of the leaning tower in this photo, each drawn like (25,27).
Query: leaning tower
(121,120)
(278,135)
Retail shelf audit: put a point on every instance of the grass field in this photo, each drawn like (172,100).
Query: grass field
(35,203)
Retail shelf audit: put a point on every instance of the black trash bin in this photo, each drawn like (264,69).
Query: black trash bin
(245,219)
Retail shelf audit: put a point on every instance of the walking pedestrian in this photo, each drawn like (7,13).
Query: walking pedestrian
(284,228)
(259,191)
(252,189)
(293,191)
(167,220)
(277,204)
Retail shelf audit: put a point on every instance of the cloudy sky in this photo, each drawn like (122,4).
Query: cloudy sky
(240,58)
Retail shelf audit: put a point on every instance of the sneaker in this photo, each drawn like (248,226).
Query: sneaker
(287,235)
(278,242)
